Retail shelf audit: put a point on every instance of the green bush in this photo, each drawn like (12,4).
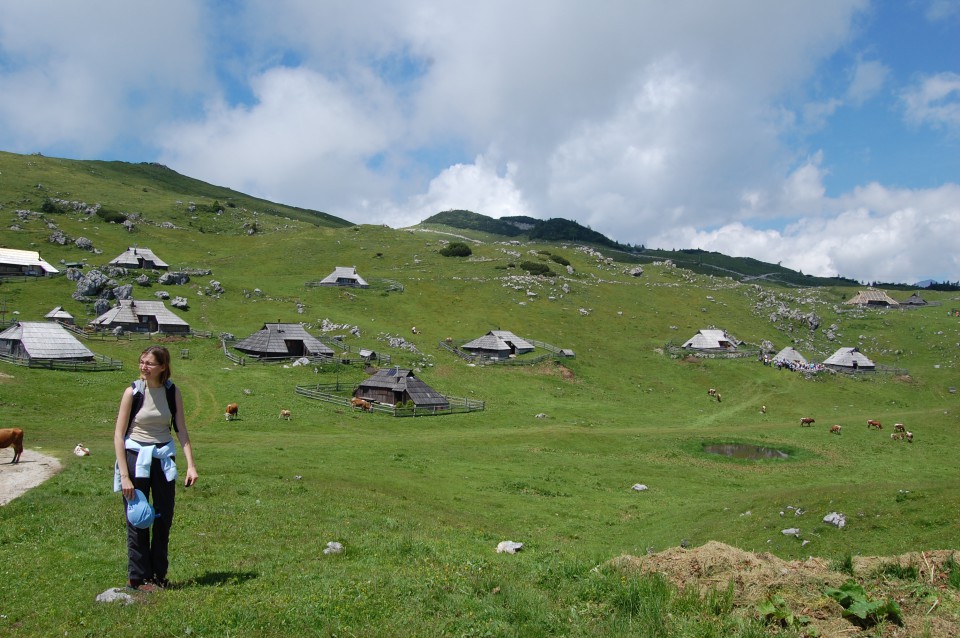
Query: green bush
(560,259)
(535,268)
(111,216)
(456,249)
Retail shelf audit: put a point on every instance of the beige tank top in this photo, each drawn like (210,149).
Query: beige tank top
(152,423)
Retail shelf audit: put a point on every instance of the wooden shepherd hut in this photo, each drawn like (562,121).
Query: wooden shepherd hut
(136,257)
(283,340)
(344,276)
(59,315)
(135,315)
(914,301)
(28,263)
(872,298)
(498,344)
(790,356)
(849,359)
(711,340)
(42,340)
(398,385)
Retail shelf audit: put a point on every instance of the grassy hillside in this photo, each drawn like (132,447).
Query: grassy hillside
(420,504)
(151,191)
(562,230)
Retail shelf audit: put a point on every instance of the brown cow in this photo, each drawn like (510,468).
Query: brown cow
(835,429)
(232,412)
(898,427)
(285,414)
(807,421)
(363,404)
(12,437)
(874,424)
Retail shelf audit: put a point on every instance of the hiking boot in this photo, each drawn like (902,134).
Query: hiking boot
(139,585)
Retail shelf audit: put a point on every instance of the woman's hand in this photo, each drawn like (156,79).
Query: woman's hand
(191,477)
(126,487)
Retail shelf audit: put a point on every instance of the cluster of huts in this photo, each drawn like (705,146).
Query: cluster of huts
(712,341)
(50,340)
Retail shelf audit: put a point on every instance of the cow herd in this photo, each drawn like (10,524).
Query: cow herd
(900,432)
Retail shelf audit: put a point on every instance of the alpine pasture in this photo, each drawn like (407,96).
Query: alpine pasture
(420,504)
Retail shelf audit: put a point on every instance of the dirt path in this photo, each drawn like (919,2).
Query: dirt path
(32,470)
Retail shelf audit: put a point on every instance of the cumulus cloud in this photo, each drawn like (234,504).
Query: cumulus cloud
(647,122)
(872,234)
(935,101)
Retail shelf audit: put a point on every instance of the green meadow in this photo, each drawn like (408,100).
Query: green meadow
(420,504)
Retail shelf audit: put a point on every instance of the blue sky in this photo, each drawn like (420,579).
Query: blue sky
(822,134)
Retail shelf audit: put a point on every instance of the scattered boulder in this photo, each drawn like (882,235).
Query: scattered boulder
(100,306)
(91,284)
(174,278)
(162,294)
(83,243)
(123,292)
(115,595)
(333,547)
(508,547)
(180,302)
(835,518)
(639,487)
(143,280)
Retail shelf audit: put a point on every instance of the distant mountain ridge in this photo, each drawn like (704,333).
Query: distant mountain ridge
(563,230)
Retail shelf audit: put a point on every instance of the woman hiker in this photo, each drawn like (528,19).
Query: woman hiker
(151,410)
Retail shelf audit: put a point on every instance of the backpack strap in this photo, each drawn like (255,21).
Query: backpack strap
(139,388)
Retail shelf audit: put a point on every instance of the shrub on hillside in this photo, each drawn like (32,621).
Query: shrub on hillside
(111,216)
(560,259)
(456,249)
(536,268)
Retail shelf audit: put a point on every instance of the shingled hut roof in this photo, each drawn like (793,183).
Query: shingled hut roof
(500,343)
(914,300)
(403,385)
(789,355)
(283,340)
(24,262)
(872,298)
(136,257)
(134,315)
(59,314)
(847,357)
(344,276)
(42,340)
(711,339)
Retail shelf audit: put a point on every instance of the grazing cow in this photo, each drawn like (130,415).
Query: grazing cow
(807,421)
(909,436)
(874,424)
(898,427)
(414,330)
(763,409)
(712,392)
(232,412)
(81,450)
(363,404)
(835,429)
(718,397)
(285,414)
(12,437)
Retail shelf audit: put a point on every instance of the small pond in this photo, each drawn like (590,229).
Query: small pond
(745,451)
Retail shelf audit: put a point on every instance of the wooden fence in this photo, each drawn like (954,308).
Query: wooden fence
(99,363)
(338,394)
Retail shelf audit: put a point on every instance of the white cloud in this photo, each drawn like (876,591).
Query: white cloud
(873,234)
(868,79)
(935,101)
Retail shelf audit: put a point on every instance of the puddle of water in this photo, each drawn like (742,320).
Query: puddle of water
(743,451)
